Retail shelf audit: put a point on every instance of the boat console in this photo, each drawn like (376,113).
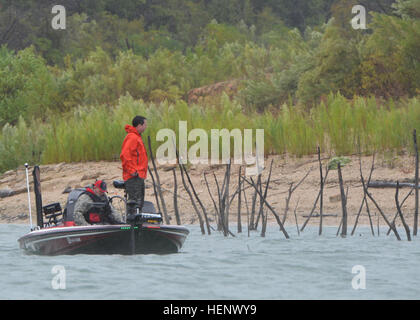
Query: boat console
(53,213)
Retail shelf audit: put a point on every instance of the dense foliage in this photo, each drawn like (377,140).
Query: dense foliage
(288,56)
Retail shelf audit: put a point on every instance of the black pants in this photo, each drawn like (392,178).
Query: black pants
(135,191)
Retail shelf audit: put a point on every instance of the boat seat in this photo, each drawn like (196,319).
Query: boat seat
(119,184)
(148,207)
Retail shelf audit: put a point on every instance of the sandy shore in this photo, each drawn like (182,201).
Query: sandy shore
(55,178)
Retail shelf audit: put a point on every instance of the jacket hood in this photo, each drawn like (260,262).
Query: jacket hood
(131,129)
(90,189)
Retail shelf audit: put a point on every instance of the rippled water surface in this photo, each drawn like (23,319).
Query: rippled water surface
(214,267)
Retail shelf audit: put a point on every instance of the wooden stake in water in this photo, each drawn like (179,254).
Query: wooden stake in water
(177,217)
(220,215)
(380,211)
(315,203)
(154,189)
(200,219)
(269,207)
(297,225)
(239,201)
(264,215)
(364,201)
(162,200)
(407,229)
(254,199)
(216,211)
(261,213)
(341,221)
(321,198)
(225,200)
(289,196)
(397,214)
(198,199)
(247,209)
(343,201)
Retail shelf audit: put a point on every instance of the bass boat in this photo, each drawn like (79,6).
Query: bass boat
(58,235)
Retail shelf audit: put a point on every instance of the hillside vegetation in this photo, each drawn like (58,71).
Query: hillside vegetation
(294,68)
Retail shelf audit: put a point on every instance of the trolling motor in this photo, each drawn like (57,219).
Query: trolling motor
(135,217)
(138,218)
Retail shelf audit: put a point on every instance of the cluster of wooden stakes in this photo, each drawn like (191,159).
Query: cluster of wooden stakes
(256,213)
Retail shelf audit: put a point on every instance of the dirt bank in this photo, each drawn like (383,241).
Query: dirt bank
(56,178)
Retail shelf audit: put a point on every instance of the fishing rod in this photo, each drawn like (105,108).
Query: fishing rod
(29,196)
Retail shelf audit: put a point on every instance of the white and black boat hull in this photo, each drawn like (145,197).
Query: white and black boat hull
(105,239)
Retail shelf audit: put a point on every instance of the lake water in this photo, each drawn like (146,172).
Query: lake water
(214,267)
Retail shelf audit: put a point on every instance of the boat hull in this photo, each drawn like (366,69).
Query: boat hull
(105,239)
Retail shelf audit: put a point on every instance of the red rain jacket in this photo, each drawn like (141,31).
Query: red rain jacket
(133,155)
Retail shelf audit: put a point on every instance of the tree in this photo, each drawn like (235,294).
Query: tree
(335,66)
(391,67)
(27,87)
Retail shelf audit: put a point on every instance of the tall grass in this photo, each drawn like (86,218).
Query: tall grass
(337,125)
(20,144)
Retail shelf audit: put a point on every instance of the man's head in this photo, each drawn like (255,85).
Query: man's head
(99,188)
(140,123)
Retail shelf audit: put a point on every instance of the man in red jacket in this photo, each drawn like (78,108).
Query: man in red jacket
(134,161)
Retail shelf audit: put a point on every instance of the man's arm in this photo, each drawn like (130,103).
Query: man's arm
(82,206)
(128,155)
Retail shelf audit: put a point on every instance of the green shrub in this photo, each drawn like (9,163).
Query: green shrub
(27,87)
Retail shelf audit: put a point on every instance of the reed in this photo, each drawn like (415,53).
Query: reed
(337,125)
(20,144)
